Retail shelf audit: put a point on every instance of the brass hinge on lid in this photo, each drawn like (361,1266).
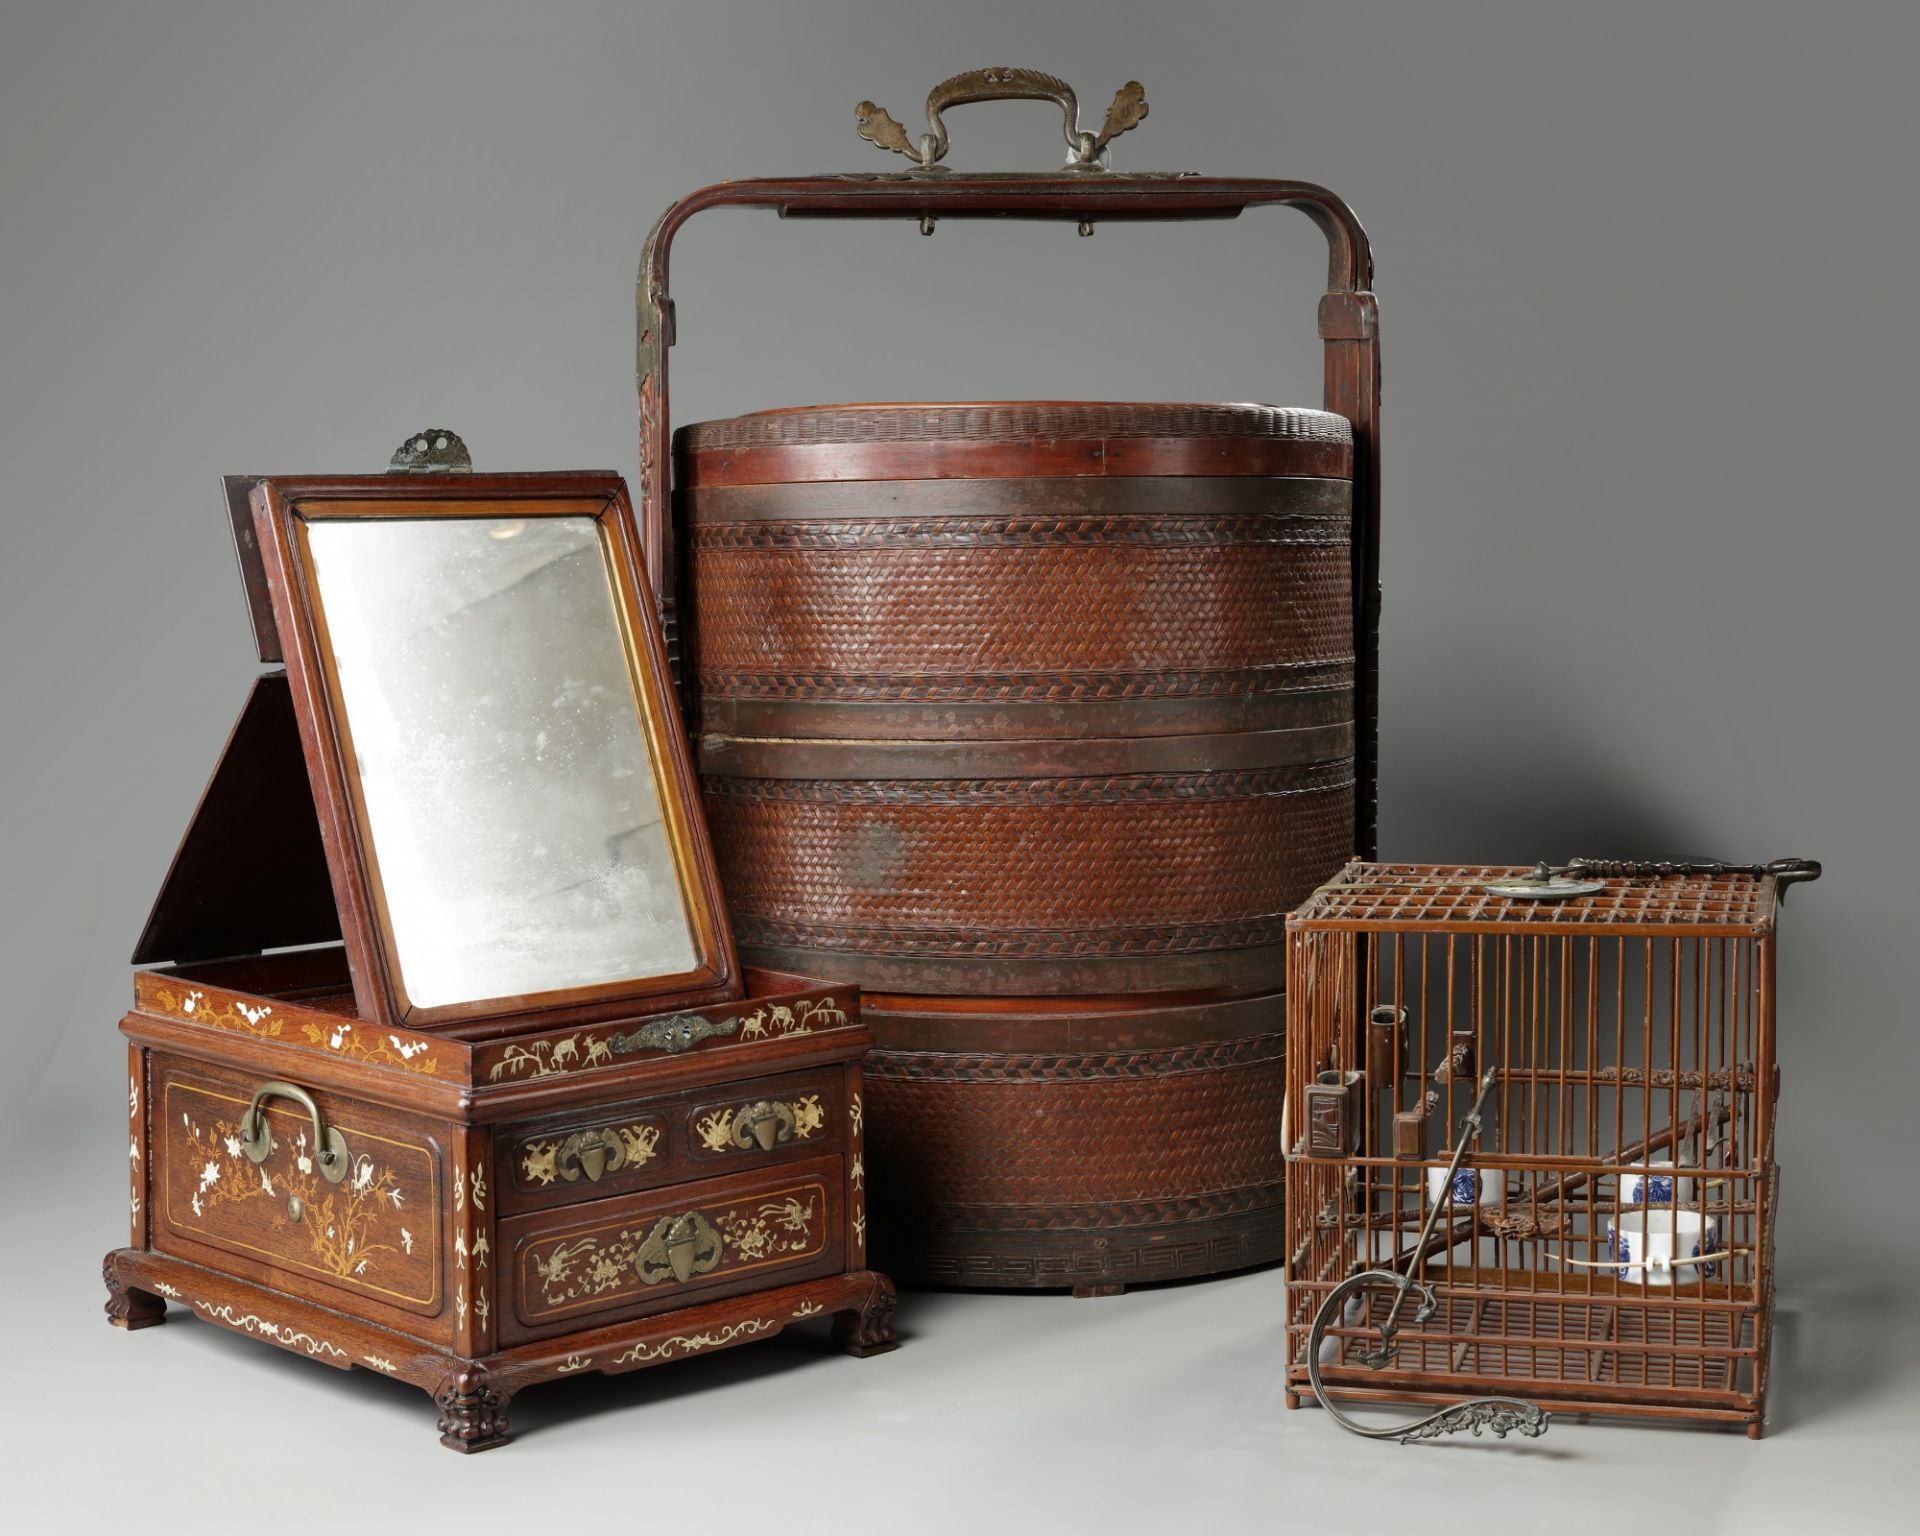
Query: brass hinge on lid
(435,451)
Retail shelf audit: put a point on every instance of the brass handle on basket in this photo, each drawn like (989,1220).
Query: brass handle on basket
(678,1248)
(765,1125)
(590,1152)
(256,1137)
(1085,150)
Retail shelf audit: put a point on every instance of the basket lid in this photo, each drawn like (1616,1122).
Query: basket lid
(1029,439)
(901,421)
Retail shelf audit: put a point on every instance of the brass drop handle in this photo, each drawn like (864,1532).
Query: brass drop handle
(877,125)
(678,1248)
(764,1125)
(256,1136)
(591,1153)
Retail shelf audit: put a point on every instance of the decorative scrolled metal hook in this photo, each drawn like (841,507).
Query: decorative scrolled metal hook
(1085,151)
(1501,1415)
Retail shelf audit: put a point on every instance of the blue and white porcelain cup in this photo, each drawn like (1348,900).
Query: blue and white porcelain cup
(1643,1245)
(1471,1186)
(1654,1184)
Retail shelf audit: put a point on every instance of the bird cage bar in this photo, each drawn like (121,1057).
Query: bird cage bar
(1606,1242)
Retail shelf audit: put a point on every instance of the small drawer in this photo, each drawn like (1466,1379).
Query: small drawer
(607,1153)
(652,1252)
(768,1118)
(645,1143)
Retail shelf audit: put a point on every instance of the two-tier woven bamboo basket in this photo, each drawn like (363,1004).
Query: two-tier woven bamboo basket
(1035,719)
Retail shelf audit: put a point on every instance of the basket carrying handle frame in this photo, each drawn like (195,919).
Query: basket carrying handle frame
(1348,320)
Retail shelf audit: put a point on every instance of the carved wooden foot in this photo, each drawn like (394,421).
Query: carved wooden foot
(473,1411)
(868,1329)
(1098,1288)
(129,1308)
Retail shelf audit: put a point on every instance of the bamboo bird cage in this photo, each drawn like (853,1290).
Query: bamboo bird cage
(1604,1240)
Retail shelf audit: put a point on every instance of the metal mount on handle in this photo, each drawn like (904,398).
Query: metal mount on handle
(1085,151)
(256,1137)
(1502,1415)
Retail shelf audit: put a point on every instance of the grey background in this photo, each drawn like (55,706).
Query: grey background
(1649,545)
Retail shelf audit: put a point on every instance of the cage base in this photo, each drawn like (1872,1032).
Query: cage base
(1601,1351)
(1564,1402)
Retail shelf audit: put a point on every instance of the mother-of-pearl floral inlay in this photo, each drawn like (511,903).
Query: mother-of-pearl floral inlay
(348,1227)
(350,1038)
(293,1338)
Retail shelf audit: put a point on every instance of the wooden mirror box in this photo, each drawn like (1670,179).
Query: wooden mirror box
(441,1062)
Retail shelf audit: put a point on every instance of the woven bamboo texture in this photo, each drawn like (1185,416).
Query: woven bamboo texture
(1014,1169)
(1147,611)
(1012,422)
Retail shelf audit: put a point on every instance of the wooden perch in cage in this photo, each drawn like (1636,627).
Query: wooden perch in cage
(1520,1211)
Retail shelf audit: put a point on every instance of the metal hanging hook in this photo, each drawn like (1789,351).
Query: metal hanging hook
(1501,1415)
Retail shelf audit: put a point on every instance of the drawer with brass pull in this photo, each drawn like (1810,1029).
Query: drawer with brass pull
(649,1252)
(287,1183)
(651,1142)
(618,1153)
(758,1120)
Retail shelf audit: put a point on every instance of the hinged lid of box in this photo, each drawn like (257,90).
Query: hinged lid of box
(471,772)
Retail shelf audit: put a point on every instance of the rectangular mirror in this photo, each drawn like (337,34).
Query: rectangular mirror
(505,760)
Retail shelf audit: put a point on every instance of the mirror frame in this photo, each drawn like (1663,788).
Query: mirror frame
(280,506)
